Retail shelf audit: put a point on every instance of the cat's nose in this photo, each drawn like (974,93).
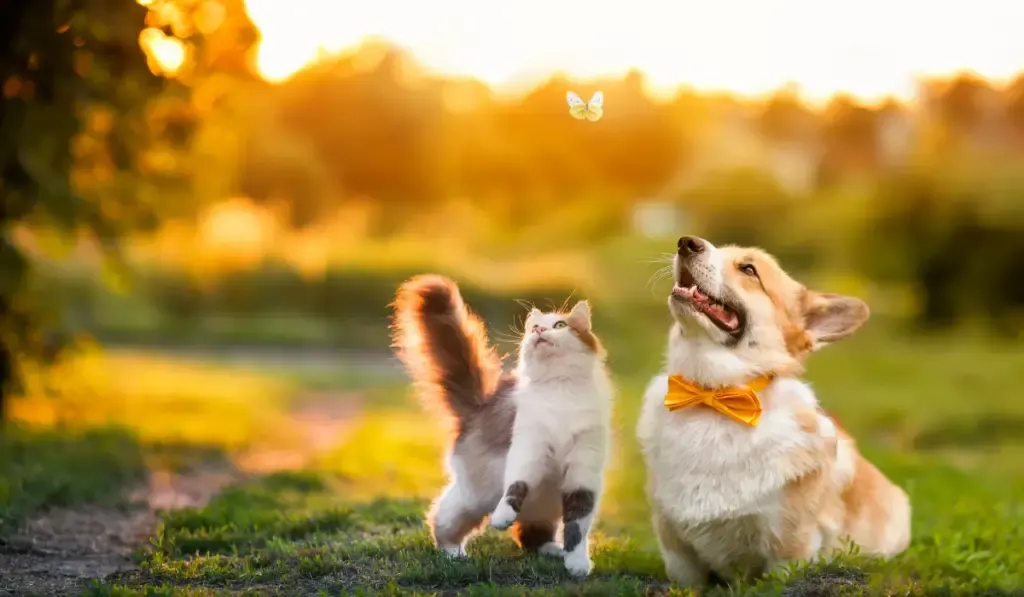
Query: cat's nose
(541,330)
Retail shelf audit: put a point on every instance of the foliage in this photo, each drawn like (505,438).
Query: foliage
(955,231)
(74,90)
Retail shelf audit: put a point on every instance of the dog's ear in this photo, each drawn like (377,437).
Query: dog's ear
(831,317)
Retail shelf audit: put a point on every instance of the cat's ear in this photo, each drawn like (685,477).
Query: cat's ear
(534,312)
(579,317)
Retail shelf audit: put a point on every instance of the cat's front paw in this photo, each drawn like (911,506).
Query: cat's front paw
(578,563)
(551,550)
(503,516)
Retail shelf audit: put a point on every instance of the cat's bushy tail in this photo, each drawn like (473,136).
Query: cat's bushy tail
(444,346)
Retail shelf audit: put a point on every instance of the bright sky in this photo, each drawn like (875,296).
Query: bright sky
(869,48)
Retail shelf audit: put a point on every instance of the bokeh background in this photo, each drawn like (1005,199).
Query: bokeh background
(210,204)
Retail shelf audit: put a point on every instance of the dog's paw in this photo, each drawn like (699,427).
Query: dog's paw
(503,516)
(578,563)
(551,550)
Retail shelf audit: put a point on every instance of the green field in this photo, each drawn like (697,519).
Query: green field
(325,475)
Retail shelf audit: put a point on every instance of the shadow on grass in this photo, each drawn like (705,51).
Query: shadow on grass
(41,469)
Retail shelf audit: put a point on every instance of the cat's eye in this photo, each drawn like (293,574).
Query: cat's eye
(533,328)
(748,269)
(559,325)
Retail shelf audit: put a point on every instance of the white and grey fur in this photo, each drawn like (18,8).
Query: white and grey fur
(530,445)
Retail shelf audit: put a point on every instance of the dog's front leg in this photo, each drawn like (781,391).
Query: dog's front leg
(682,566)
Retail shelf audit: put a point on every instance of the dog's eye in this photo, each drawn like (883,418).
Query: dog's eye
(559,325)
(748,269)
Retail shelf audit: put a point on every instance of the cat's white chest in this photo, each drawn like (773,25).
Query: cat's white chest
(563,417)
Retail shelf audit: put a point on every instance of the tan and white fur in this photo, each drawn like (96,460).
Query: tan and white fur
(733,500)
(530,446)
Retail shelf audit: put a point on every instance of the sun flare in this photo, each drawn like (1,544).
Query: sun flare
(870,49)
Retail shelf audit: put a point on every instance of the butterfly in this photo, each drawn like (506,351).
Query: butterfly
(592,110)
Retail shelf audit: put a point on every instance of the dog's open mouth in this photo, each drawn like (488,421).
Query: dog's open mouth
(722,315)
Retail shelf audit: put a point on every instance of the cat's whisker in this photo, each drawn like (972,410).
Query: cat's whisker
(508,339)
(565,304)
(525,304)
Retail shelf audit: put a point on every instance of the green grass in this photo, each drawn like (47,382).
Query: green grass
(941,418)
(42,469)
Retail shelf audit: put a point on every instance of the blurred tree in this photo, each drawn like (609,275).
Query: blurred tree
(200,127)
(785,119)
(93,143)
(954,230)
(965,107)
(287,175)
(1014,99)
(850,137)
(754,194)
(960,103)
(372,122)
(73,80)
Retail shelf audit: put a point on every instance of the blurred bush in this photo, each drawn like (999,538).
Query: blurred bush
(952,238)
(274,303)
(955,231)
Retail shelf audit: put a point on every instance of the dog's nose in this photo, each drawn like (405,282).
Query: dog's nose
(691,245)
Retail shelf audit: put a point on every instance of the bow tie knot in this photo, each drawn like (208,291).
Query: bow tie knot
(740,403)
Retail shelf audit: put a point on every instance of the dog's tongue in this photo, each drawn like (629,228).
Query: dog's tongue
(701,301)
(728,319)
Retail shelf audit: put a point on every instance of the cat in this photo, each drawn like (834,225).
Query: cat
(530,445)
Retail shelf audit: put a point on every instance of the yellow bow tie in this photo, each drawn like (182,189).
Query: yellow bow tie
(739,403)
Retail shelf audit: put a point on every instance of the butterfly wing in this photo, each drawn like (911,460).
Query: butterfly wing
(595,107)
(577,107)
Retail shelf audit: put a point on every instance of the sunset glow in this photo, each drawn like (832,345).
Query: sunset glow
(871,48)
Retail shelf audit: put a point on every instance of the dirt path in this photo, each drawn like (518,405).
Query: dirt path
(322,420)
(57,553)
(60,552)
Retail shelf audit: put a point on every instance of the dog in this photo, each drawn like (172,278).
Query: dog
(745,471)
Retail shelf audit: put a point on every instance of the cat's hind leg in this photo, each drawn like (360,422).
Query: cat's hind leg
(537,525)
(454,516)
(538,536)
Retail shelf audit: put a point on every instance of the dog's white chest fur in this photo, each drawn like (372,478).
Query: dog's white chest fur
(715,476)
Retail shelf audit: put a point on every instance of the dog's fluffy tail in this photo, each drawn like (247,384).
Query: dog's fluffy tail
(444,346)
